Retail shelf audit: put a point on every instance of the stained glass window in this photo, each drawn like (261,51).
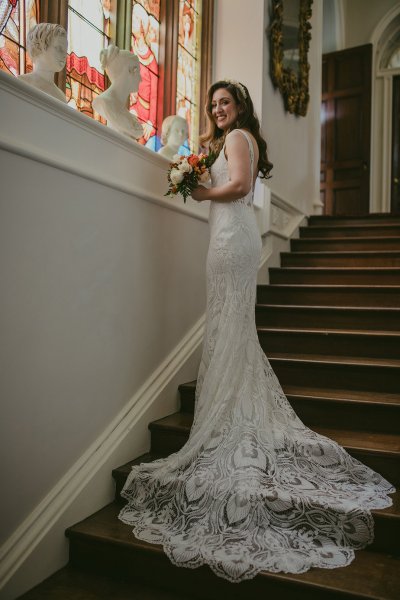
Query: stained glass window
(145,39)
(88,34)
(17,17)
(188,70)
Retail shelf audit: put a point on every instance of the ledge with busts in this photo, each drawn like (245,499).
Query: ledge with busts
(39,127)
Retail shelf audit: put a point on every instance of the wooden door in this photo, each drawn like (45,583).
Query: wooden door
(346,130)
(395,184)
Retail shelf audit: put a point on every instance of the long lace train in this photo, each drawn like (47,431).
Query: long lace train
(253,488)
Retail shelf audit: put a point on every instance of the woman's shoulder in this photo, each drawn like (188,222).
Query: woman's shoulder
(239,134)
(240,137)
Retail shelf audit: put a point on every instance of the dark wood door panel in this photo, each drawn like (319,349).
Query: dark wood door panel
(395,183)
(345,131)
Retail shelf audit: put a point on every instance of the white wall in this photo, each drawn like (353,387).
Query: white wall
(293,142)
(99,283)
(361,18)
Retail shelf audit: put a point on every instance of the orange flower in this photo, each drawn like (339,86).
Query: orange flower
(193,160)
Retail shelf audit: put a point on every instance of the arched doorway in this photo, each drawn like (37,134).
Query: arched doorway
(385,172)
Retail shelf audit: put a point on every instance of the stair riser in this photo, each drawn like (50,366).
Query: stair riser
(344,245)
(166,441)
(329,297)
(319,412)
(361,231)
(270,316)
(203,584)
(374,260)
(322,277)
(329,221)
(322,375)
(329,343)
(339,415)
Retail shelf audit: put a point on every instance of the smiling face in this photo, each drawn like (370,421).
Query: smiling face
(224,109)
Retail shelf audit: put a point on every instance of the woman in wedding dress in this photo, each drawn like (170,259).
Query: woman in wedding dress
(253,489)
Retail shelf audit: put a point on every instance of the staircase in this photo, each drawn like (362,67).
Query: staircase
(330,324)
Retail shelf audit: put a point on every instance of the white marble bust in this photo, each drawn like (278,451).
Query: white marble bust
(174,132)
(47,46)
(123,69)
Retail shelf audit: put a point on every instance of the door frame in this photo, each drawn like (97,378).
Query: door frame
(381,130)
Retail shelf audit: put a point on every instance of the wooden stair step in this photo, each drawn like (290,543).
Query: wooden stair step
(335,275)
(345,243)
(360,343)
(72,583)
(375,376)
(380,451)
(337,408)
(367,258)
(104,543)
(362,230)
(333,317)
(373,414)
(339,295)
(329,220)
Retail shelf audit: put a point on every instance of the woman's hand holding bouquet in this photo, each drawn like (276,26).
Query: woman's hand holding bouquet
(186,172)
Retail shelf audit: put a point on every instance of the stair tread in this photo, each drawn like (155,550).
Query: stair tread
(326,330)
(382,569)
(327,393)
(323,307)
(335,359)
(72,583)
(359,397)
(377,226)
(332,286)
(342,253)
(350,238)
(339,269)
(381,442)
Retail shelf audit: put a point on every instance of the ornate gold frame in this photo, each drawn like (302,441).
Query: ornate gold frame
(293,86)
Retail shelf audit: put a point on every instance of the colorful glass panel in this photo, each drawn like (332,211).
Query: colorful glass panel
(88,34)
(188,70)
(17,17)
(145,39)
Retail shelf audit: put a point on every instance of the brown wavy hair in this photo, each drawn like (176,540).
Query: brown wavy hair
(247,119)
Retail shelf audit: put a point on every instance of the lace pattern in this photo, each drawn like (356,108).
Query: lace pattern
(253,488)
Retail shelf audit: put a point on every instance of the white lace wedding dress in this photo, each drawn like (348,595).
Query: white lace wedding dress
(253,488)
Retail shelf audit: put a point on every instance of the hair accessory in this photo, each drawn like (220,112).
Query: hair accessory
(238,85)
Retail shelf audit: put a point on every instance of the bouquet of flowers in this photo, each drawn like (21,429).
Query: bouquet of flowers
(186,172)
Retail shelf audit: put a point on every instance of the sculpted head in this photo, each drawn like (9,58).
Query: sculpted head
(121,65)
(174,131)
(47,45)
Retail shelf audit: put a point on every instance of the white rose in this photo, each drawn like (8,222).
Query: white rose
(176,176)
(204,177)
(176,158)
(185,167)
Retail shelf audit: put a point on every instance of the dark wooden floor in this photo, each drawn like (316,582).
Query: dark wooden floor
(74,584)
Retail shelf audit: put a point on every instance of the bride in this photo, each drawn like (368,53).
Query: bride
(253,489)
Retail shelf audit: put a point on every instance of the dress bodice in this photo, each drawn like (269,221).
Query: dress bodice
(220,172)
